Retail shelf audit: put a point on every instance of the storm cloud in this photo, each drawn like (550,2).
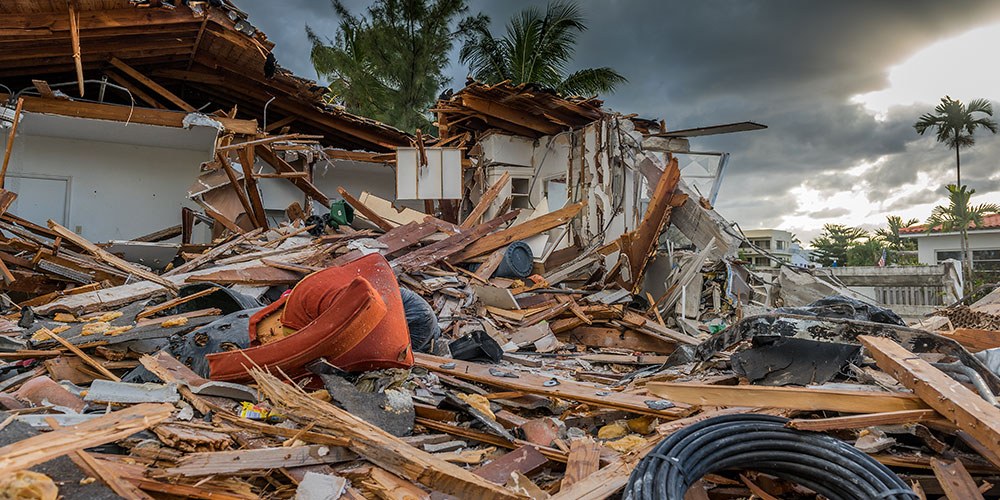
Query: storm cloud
(793,65)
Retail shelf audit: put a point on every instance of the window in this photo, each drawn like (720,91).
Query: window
(984,260)
(780,244)
(763,244)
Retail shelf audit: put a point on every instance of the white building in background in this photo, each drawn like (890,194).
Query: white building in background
(775,242)
(935,247)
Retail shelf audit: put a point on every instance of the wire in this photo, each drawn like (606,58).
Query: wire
(826,465)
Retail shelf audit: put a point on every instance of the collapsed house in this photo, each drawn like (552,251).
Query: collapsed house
(538,303)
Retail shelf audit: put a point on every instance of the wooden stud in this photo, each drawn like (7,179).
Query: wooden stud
(486,200)
(863,420)
(247,158)
(155,87)
(265,153)
(235,184)
(964,408)
(10,140)
(785,397)
(136,91)
(520,231)
(74,33)
(82,355)
(955,480)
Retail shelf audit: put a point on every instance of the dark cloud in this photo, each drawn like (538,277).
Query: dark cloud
(790,64)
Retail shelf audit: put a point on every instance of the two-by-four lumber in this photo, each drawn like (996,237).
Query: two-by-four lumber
(228,462)
(247,160)
(863,420)
(486,200)
(964,408)
(271,158)
(104,429)
(519,232)
(155,87)
(235,184)
(378,446)
(535,384)
(215,252)
(82,355)
(795,398)
(109,258)
(9,147)
(955,480)
(441,250)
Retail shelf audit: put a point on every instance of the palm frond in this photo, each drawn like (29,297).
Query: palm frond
(589,82)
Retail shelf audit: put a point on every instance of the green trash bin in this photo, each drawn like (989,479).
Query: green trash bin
(341,213)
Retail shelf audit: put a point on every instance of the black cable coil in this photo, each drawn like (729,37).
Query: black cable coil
(825,465)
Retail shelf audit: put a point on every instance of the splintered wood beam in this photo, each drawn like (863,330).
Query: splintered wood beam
(82,355)
(104,429)
(367,212)
(155,87)
(270,127)
(109,258)
(486,200)
(955,480)
(378,446)
(508,114)
(964,408)
(43,88)
(271,158)
(584,460)
(247,159)
(531,383)
(235,183)
(74,33)
(785,397)
(863,420)
(10,141)
(519,232)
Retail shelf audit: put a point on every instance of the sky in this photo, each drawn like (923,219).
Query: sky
(838,83)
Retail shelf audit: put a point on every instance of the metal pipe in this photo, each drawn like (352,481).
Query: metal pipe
(957,368)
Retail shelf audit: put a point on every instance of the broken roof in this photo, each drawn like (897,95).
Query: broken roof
(525,109)
(209,56)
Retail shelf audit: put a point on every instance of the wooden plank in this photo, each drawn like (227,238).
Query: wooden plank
(486,200)
(265,153)
(104,429)
(863,420)
(531,383)
(554,454)
(955,480)
(212,254)
(134,90)
(584,460)
(247,158)
(369,214)
(109,258)
(640,245)
(492,263)
(155,87)
(82,355)
(153,310)
(974,339)
(74,33)
(229,462)
(451,245)
(234,182)
(98,468)
(785,397)
(378,446)
(524,460)
(131,114)
(10,140)
(520,231)
(964,408)
(605,337)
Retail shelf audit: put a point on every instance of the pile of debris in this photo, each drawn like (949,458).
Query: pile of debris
(187,383)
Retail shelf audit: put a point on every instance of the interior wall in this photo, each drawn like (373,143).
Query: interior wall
(116,191)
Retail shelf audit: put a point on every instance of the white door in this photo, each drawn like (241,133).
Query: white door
(39,198)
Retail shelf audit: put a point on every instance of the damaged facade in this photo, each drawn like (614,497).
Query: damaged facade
(540,302)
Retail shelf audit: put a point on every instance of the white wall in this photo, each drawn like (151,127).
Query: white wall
(927,246)
(117,190)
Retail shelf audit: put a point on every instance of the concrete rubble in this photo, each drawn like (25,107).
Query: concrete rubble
(554,311)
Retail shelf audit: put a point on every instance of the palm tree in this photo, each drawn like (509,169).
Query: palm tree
(955,124)
(892,239)
(536,49)
(959,215)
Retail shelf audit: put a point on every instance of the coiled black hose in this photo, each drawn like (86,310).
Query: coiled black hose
(762,443)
